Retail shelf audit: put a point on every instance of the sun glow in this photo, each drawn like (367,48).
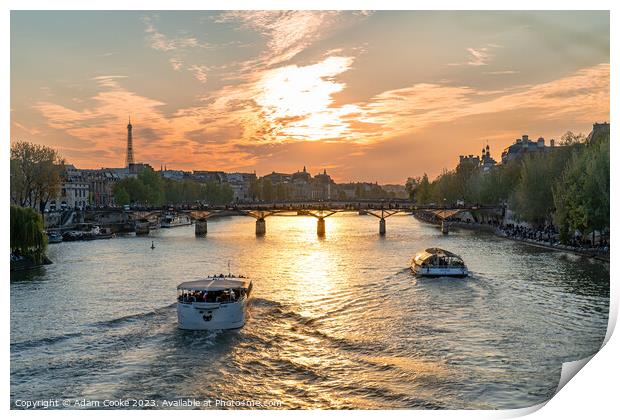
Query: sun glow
(299,100)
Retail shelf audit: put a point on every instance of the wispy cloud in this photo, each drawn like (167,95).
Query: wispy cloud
(500,72)
(176,63)
(287,33)
(199,72)
(161,42)
(582,96)
(479,56)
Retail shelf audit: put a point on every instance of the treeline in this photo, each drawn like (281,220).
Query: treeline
(150,188)
(28,238)
(567,186)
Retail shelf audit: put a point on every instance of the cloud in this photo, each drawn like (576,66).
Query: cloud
(477,56)
(159,41)
(582,97)
(199,72)
(287,33)
(108,81)
(295,104)
(500,72)
(176,63)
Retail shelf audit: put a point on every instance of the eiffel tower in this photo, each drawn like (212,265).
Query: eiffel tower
(129,160)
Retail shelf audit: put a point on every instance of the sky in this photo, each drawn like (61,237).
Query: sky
(374,96)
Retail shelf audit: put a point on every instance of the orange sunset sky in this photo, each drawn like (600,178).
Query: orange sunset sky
(369,96)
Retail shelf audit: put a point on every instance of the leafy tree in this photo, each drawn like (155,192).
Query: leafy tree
(422,191)
(28,237)
(120,195)
(581,196)
(35,174)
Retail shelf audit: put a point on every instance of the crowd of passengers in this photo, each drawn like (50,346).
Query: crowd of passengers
(443,262)
(217,296)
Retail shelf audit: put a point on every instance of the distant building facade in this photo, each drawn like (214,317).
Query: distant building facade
(484,162)
(101,185)
(74,191)
(241,183)
(597,129)
(218,177)
(524,146)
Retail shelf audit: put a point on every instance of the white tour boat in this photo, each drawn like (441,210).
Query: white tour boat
(174,220)
(437,262)
(214,303)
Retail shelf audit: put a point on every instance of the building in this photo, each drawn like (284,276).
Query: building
(300,182)
(101,186)
(301,185)
(469,160)
(486,161)
(174,174)
(322,187)
(217,177)
(136,168)
(598,129)
(240,183)
(524,146)
(74,191)
(278,178)
(396,190)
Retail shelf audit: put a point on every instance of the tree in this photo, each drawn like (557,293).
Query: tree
(410,187)
(36,173)
(28,237)
(422,191)
(569,138)
(581,196)
(121,196)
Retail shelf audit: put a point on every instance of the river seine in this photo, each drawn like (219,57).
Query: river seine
(337,322)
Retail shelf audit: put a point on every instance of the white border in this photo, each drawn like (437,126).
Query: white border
(592,394)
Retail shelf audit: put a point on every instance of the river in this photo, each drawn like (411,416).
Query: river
(334,322)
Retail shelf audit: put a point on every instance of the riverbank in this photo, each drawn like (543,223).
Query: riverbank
(539,244)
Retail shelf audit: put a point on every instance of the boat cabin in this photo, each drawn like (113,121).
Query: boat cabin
(215,289)
(437,257)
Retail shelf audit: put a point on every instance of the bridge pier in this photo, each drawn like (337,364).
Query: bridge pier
(444,227)
(200,228)
(261,227)
(320,226)
(382,226)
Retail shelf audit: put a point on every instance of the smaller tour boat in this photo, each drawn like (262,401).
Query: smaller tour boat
(174,220)
(437,262)
(214,303)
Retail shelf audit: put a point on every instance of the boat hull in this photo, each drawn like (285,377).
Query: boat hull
(211,316)
(439,271)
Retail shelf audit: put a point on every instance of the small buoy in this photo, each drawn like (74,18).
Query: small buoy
(152,245)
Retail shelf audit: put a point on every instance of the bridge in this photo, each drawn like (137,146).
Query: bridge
(317,209)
